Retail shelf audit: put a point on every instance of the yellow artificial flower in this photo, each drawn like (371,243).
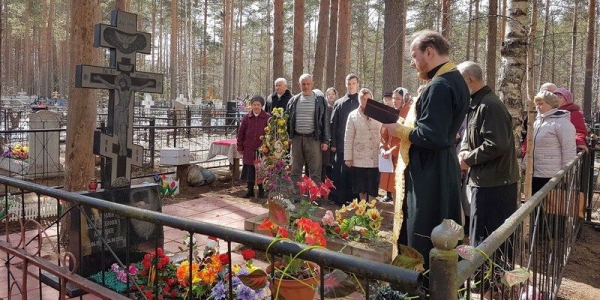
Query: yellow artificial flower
(373,214)
(281,122)
(361,210)
(353,205)
(375,225)
(372,203)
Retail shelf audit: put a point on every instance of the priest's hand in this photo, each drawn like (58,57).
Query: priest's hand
(348,163)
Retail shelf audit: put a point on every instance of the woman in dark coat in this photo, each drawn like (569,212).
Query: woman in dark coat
(248,140)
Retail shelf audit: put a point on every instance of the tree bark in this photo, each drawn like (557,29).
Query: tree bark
(269,68)
(81,121)
(321,44)
(476,39)
(530,104)
(446,18)
(393,45)
(542,70)
(342,59)
(573,48)
(514,62)
(277,39)
(298,48)
(173,54)
(469,28)
(332,44)
(589,62)
(490,67)
(1,53)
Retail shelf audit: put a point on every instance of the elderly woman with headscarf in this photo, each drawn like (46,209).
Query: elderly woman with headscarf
(565,98)
(248,140)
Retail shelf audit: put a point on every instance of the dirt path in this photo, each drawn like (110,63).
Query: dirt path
(581,280)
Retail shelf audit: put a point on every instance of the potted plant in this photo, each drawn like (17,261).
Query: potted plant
(295,278)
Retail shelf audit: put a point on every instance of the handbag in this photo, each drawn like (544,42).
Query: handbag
(559,202)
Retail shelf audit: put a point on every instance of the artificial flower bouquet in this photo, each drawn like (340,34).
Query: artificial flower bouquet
(167,187)
(244,284)
(16,151)
(359,220)
(306,231)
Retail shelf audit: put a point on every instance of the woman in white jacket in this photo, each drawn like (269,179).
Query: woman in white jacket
(553,139)
(361,142)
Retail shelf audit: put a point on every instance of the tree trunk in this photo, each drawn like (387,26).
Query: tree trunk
(446,17)
(514,62)
(542,70)
(173,54)
(204,42)
(342,59)
(268,82)
(298,48)
(332,45)
(573,48)
(530,104)
(1,53)
(277,39)
(321,47)
(490,67)
(50,50)
(476,38)
(503,20)
(589,62)
(469,28)
(27,82)
(393,45)
(376,55)
(81,121)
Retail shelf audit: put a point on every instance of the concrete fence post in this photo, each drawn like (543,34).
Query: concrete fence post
(443,264)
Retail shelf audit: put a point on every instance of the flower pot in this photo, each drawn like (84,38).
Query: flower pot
(291,289)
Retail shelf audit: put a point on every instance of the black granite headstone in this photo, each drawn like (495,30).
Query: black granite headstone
(94,233)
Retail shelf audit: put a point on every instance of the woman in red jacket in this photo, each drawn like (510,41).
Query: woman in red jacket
(566,103)
(248,140)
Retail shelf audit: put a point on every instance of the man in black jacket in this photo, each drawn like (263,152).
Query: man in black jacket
(308,130)
(341,173)
(488,152)
(280,97)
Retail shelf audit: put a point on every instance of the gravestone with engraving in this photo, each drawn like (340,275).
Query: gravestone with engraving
(107,230)
(95,236)
(44,148)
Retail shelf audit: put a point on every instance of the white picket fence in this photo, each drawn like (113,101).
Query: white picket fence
(47,209)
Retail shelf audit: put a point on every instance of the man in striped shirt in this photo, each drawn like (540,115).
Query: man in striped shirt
(308,130)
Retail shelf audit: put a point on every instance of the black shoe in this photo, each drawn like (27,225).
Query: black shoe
(387,198)
(261,192)
(249,194)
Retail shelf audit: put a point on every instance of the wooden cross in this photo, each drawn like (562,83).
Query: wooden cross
(122,80)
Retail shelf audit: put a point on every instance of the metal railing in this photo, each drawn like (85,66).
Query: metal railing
(537,240)
(406,280)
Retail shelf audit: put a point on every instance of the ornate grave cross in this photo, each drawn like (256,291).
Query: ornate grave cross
(122,81)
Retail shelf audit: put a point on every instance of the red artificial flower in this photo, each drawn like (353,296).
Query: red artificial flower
(224,258)
(172,184)
(345,235)
(173,293)
(282,232)
(163,176)
(248,254)
(337,229)
(266,225)
(328,183)
(160,252)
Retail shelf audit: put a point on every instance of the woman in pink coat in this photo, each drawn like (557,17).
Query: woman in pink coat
(248,140)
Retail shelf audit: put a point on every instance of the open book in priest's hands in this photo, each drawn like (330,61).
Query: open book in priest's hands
(381,112)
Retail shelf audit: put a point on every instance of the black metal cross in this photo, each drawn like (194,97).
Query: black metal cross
(122,81)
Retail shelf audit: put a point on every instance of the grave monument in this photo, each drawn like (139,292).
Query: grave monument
(95,235)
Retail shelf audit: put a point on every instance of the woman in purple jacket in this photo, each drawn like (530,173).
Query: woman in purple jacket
(248,140)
